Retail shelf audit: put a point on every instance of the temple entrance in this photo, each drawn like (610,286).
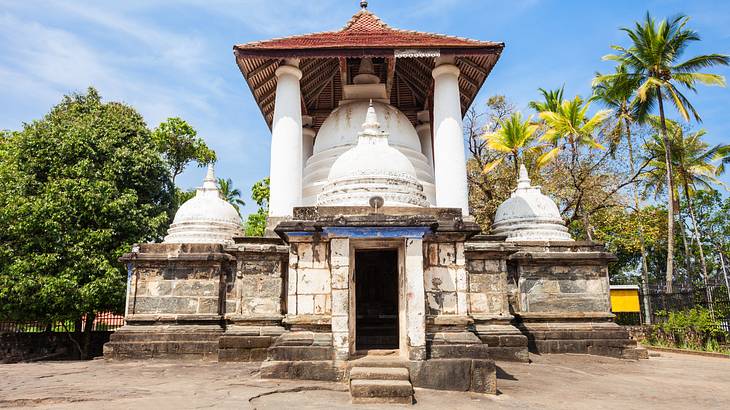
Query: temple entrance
(376,299)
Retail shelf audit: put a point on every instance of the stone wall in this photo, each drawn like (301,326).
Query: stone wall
(310,283)
(444,278)
(562,281)
(177,279)
(256,287)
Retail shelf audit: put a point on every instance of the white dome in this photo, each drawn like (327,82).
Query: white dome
(205,218)
(528,215)
(372,168)
(343,125)
(339,133)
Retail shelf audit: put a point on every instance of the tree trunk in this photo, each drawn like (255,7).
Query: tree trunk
(687,256)
(86,345)
(670,195)
(642,245)
(703,265)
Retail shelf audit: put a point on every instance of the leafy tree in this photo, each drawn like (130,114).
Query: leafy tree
(652,61)
(617,93)
(571,129)
(256,223)
(692,162)
(77,189)
(231,194)
(179,144)
(552,100)
(487,190)
(514,139)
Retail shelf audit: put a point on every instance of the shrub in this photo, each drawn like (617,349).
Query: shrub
(688,329)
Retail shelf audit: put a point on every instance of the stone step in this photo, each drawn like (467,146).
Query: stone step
(133,337)
(379,373)
(381,391)
(377,361)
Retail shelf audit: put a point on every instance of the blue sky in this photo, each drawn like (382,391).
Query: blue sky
(174,58)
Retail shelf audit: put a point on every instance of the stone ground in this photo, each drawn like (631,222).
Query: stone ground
(551,381)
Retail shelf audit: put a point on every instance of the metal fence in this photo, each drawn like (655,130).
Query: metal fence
(103,321)
(683,298)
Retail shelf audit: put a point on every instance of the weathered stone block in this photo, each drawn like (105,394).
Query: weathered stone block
(441,303)
(208,305)
(340,276)
(320,304)
(313,281)
(305,304)
(459,351)
(483,377)
(440,278)
(475,265)
(244,342)
(304,370)
(340,301)
(301,353)
(447,253)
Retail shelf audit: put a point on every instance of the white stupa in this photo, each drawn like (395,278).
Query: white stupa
(372,168)
(205,218)
(528,215)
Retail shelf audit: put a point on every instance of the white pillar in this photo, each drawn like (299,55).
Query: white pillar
(286,143)
(448,142)
(415,300)
(307,144)
(424,134)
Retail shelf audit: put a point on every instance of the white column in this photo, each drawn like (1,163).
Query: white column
(286,143)
(448,142)
(424,134)
(415,300)
(307,144)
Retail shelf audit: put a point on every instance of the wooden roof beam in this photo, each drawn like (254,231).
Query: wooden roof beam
(262,67)
(473,65)
(389,74)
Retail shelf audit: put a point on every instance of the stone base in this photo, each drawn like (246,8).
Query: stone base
(583,333)
(164,342)
(323,370)
(247,343)
(504,341)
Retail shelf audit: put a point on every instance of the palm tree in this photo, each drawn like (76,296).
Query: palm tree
(514,139)
(570,127)
(230,194)
(692,162)
(570,124)
(653,62)
(617,94)
(551,100)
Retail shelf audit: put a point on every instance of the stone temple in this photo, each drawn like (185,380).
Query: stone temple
(372,272)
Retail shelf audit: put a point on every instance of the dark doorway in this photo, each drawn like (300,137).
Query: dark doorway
(376,296)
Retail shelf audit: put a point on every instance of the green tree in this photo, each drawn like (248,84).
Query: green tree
(256,222)
(571,129)
(77,189)
(617,93)
(179,144)
(231,194)
(551,100)
(514,139)
(692,162)
(653,62)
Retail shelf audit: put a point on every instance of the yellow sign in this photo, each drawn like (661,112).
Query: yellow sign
(625,300)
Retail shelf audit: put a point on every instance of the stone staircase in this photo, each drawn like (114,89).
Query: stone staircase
(380,381)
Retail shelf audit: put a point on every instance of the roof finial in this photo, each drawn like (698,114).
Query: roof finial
(210,182)
(363,4)
(524,180)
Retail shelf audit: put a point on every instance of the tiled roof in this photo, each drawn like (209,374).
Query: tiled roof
(365,29)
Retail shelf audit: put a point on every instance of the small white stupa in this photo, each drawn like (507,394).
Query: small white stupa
(205,218)
(372,168)
(528,215)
